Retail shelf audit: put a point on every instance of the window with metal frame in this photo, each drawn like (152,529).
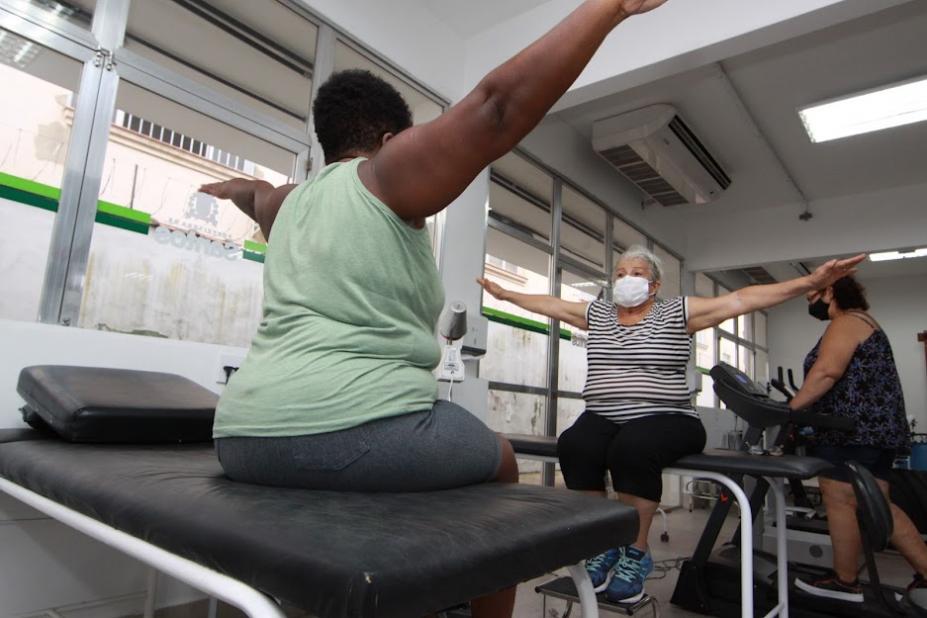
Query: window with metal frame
(184,265)
(572,352)
(259,54)
(517,339)
(582,231)
(625,236)
(520,196)
(671,285)
(36,119)
(265,98)
(745,350)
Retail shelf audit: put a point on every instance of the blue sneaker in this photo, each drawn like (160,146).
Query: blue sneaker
(600,568)
(627,582)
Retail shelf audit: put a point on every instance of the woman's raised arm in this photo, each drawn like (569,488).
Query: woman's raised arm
(424,168)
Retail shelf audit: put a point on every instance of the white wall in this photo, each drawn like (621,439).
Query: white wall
(23,256)
(406,34)
(883,220)
(681,35)
(898,303)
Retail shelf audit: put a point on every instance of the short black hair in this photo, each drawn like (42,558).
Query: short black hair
(352,112)
(850,294)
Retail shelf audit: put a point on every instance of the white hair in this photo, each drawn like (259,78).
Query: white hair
(637,252)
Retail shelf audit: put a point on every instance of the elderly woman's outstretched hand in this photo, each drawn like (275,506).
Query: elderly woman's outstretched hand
(494,289)
(636,7)
(829,272)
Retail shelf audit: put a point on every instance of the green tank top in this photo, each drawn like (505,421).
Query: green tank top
(351,300)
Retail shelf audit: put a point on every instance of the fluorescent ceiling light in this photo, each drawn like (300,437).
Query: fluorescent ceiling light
(898,255)
(891,106)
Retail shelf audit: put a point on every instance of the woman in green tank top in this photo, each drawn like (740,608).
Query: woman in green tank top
(337,390)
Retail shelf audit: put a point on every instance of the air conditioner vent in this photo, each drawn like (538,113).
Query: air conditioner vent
(656,186)
(670,199)
(639,172)
(654,149)
(621,156)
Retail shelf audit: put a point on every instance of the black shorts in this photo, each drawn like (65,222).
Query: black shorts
(634,452)
(877,460)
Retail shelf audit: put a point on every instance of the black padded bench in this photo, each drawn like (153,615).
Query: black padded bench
(723,467)
(333,554)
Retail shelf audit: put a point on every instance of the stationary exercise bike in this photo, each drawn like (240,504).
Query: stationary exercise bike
(705,581)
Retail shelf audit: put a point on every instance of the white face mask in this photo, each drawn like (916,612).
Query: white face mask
(631,291)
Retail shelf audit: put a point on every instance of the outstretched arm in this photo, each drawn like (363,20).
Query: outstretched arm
(423,169)
(258,199)
(572,313)
(708,312)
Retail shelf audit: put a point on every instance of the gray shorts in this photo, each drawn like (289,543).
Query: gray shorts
(440,448)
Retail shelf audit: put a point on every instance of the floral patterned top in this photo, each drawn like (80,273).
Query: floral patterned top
(869,393)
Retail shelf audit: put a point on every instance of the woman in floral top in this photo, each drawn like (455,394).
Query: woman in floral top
(851,373)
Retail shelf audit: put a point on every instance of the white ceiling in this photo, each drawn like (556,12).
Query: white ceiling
(772,84)
(878,50)
(470,17)
(916,267)
(708,108)
(866,270)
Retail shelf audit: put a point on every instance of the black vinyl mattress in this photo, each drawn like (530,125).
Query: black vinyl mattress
(331,553)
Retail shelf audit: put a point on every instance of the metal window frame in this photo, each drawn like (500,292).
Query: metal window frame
(524,389)
(106,61)
(738,344)
(583,192)
(518,233)
(717,334)
(147,74)
(310,162)
(553,342)
(576,267)
(69,247)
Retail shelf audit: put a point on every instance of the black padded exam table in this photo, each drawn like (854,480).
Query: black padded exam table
(332,554)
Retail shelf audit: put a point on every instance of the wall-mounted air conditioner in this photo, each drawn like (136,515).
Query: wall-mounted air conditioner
(653,148)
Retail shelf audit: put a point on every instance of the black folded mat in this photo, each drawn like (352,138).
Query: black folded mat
(91,404)
(334,554)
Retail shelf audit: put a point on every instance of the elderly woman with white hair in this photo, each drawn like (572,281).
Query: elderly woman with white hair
(639,416)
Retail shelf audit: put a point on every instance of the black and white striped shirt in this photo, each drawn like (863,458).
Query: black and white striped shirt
(640,370)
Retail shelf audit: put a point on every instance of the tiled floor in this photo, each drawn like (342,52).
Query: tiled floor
(684,530)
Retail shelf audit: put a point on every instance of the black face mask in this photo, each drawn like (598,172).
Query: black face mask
(818,309)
